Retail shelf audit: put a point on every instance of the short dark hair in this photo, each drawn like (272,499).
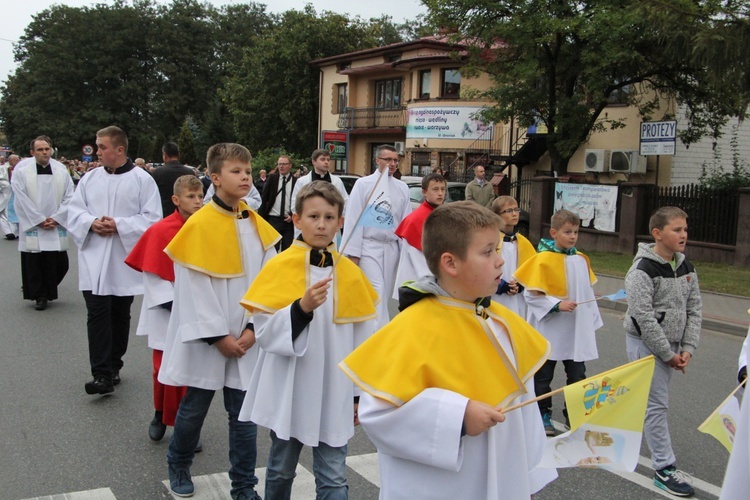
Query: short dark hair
(451,227)
(385,147)
(116,135)
(318,153)
(171,150)
(40,138)
(433,177)
(561,217)
(219,153)
(663,216)
(322,189)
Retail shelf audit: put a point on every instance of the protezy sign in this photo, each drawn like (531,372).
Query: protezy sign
(658,138)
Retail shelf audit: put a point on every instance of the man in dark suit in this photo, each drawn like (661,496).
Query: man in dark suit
(167,174)
(276,203)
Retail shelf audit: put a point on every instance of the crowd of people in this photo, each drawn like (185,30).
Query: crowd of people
(276,292)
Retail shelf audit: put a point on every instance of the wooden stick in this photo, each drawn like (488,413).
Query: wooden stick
(519,405)
(349,236)
(591,300)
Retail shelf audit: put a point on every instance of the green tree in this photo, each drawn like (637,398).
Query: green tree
(273,93)
(186,143)
(561,63)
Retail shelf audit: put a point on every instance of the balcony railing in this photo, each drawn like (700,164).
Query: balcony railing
(353,118)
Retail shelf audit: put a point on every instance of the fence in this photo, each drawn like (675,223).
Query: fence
(712,213)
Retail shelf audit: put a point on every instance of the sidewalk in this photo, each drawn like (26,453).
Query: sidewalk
(721,312)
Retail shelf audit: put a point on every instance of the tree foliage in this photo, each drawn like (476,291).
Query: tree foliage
(561,63)
(186,144)
(237,71)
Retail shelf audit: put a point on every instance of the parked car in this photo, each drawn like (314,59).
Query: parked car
(348,180)
(456,191)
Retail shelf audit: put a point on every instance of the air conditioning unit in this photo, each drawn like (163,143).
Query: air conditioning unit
(399,146)
(627,161)
(596,160)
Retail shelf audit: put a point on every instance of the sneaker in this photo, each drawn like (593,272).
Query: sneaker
(673,481)
(180,482)
(100,385)
(549,429)
(156,428)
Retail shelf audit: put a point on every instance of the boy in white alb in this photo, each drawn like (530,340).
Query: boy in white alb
(436,378)
(412,264)
(210,339)
(561,305)
(516,250)
(307,320)
(148,258)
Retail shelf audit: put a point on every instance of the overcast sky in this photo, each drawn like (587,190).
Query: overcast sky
(16,18)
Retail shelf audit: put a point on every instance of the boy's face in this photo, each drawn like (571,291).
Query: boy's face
(321,164)
(435,194)
(233,180)
(480,271)
(509,214)
(565,237)
(319,221)
(673,237)
(188,202)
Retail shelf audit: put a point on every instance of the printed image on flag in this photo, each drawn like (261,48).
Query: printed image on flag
(378,213)
(606,414)
(722,423)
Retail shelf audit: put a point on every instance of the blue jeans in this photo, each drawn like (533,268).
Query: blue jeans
(575,371)
(187,432)
(329,467)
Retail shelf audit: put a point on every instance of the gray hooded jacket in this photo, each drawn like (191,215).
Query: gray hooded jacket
(664,305)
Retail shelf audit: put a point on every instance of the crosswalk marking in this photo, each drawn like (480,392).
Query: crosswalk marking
(697,483)
(99,494)
(366,466)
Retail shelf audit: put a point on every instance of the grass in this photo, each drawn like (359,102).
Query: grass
(713,277)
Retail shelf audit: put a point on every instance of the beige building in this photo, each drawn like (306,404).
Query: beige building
(413,96)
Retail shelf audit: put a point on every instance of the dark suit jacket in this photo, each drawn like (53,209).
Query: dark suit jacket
(165,176)
(270,191)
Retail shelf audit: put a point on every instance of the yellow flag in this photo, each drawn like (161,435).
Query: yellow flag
(616,398)
(722,423)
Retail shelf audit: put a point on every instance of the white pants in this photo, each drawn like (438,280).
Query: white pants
(379,262)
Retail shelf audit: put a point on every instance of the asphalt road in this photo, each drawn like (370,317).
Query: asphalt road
(55,439)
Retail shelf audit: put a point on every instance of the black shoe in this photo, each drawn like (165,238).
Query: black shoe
(116,377)
(156,428)
(199,447)
(100,385)
(10,236)
(41,304)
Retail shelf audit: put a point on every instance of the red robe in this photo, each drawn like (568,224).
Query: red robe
(411,227)
(148,254)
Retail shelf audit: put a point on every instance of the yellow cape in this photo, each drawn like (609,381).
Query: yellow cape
(441,342)
(525,248)
(208,241)
(545,272)
(286,277)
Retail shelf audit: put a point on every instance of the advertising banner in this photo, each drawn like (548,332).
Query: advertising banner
(595,204)
(453,122)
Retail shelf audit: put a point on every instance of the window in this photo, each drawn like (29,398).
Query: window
(620,96)
(451,83)
(388,94)
(340,98)
(424,84)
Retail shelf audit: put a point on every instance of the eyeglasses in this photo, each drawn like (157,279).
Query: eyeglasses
(282,164)
(388,160)
(510,210)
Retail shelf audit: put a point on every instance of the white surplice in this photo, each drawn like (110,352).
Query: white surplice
(206,307)
(297,389)
(515,303)
(372,237)
(423,456)
(411,266)
(38,197)
(571,335)
(154,319)
(252,199)
(132,200)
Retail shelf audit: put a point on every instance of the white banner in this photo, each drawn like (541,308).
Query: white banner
(444,123)
(595,204)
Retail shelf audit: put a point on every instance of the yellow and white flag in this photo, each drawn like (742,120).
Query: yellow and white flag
(722,423)
(606,414)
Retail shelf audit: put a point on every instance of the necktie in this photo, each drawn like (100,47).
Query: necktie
(282,208)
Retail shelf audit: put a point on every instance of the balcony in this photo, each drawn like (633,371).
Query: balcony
(372,118)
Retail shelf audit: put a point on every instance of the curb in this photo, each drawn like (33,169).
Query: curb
(712,324)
